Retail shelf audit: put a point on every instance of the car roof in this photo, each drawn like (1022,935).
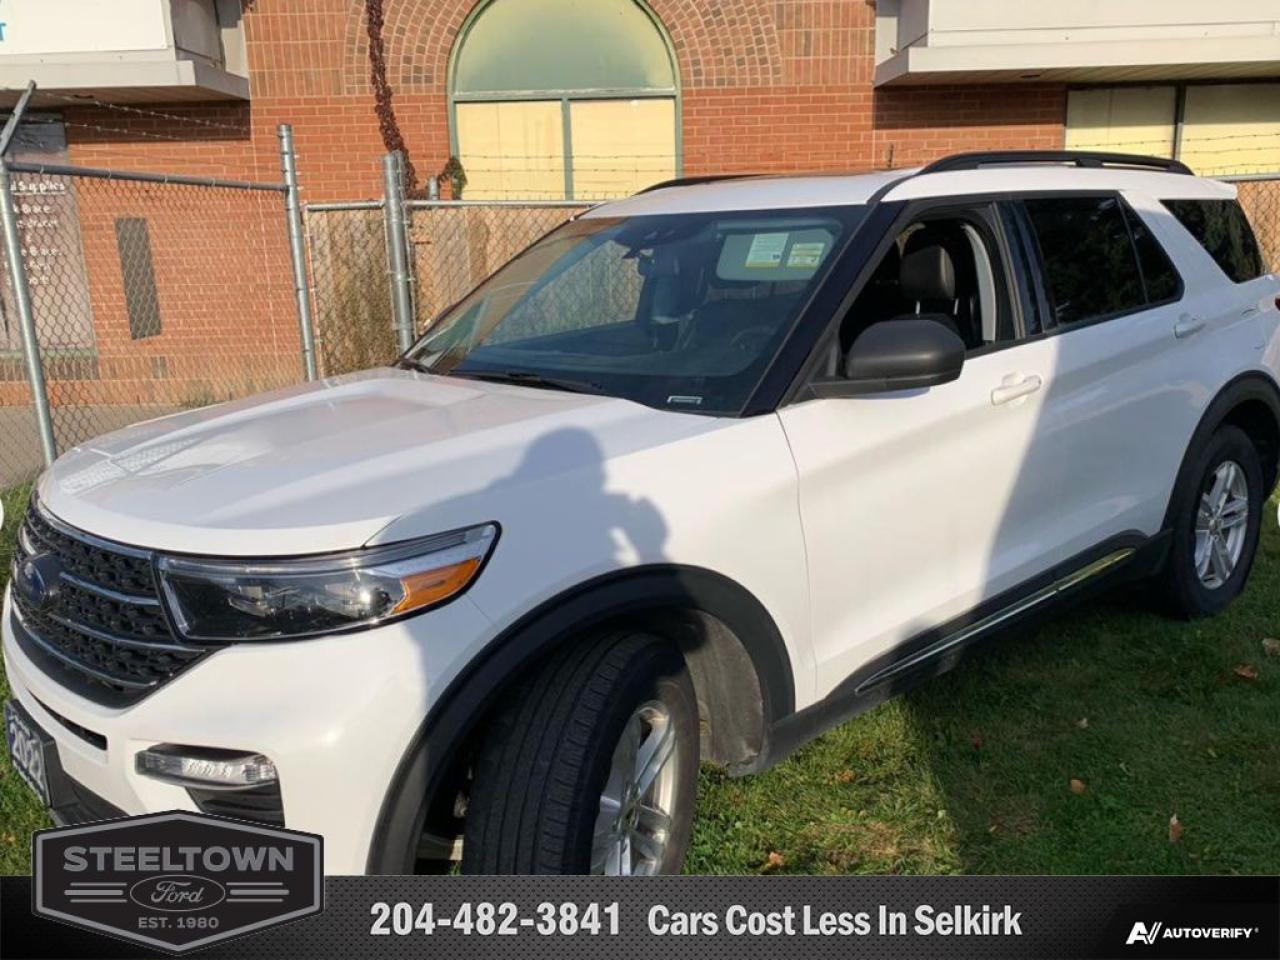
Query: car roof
(824,190)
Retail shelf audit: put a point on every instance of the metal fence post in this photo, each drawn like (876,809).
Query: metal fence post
(397,249)
(293,210)
(26,318)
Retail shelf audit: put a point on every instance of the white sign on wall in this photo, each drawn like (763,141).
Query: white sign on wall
(34,28)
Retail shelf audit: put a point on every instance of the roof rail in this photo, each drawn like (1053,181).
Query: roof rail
(1076,158)
(694,181)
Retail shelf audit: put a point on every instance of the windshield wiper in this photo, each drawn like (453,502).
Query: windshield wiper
(527,378)
(404,363)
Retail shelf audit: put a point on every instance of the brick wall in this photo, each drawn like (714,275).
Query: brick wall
(771,85)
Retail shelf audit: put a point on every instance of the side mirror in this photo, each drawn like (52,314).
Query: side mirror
(907,354)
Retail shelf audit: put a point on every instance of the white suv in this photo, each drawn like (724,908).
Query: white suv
(693,478)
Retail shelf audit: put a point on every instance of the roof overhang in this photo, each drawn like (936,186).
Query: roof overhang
(1109,61)
(124,81)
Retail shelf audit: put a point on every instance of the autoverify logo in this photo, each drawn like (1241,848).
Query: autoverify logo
(1150,933)
(177,880)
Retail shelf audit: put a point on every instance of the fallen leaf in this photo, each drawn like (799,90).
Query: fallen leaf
(1083,723)
(977,740)
(1271,647)
(1175,829)
(845,776)
(1077,786)
(773,861)
(1247,671)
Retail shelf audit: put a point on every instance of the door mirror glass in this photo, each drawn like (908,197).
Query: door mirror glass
(905,354)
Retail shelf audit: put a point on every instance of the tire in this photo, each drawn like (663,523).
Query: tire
(1185,591)
(547,758)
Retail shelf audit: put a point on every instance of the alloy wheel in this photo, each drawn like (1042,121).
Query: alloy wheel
(1222,524)
(633,826)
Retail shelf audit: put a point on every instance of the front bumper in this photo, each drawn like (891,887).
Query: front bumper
(335,715)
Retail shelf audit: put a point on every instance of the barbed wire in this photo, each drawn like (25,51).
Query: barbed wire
(78,101)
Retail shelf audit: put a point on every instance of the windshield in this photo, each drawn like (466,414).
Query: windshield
(679,311)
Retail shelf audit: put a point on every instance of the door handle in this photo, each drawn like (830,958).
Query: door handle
(1187,326)
(1012,389)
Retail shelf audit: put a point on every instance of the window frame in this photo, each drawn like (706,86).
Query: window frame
(566,98)
(1035,274)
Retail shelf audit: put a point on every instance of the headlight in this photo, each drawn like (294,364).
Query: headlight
(230,600)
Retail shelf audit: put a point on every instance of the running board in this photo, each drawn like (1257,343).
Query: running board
(1074,579)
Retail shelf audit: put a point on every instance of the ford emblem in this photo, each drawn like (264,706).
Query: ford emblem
(37,580)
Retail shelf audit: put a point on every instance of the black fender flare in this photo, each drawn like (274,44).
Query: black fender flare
(1254,385)
(454,716)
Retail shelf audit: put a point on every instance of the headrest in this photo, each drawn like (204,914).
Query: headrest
(928,274)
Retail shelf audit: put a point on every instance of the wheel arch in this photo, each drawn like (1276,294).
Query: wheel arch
(1250,401)
(741,671)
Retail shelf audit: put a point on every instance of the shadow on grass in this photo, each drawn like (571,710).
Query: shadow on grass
(20,811)
(971,772)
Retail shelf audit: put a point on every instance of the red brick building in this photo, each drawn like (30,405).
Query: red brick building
(763,85)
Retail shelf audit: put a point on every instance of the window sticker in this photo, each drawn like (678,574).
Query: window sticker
(806,254)
(766,250)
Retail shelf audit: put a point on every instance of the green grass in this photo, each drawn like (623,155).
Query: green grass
(971,773)
(20,812)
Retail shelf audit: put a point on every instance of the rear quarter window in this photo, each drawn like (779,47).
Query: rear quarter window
(1087,256)
(1221,227)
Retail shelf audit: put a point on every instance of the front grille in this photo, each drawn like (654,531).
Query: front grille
(104,633)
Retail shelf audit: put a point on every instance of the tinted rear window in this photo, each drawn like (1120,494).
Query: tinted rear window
(1224,232)
(1090,267)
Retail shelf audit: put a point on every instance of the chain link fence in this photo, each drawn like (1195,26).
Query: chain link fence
(455,245)
(1260,197)
(129,296)
(347,258)
(450,246)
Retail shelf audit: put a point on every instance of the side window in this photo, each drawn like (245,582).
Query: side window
(1159,276)
(945,268)
(1221,227)
(1088,260)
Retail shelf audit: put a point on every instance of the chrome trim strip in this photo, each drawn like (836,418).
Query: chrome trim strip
(80,665)
(133,599)
(1073,579)
(111,638)
(109,545)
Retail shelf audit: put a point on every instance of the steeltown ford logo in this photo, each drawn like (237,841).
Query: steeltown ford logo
(176,880)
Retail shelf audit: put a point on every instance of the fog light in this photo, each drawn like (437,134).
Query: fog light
(211,769)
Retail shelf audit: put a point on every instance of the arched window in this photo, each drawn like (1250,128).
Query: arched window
(563,99)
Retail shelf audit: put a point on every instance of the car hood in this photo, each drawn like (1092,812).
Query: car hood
(340,463)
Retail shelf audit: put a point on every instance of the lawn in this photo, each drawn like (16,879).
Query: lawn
(1067,749)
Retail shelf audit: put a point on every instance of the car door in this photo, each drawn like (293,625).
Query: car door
(1128,382)
(918,505)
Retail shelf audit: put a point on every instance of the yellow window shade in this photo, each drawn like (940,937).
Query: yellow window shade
(1122,120)
(1232,128)
(621,146)
(512,150)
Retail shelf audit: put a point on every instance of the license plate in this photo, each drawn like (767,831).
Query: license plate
(27,749)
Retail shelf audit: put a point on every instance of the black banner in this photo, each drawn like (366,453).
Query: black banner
(528,918)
